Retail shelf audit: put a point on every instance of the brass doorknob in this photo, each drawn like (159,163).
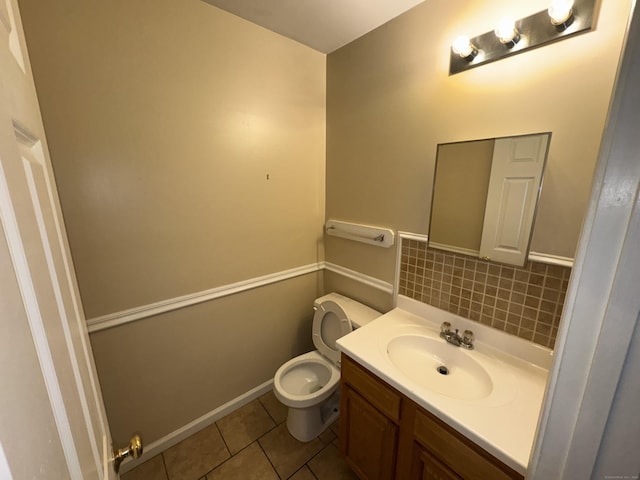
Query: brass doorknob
(133,450)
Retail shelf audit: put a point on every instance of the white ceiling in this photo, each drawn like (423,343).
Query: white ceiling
(323,25)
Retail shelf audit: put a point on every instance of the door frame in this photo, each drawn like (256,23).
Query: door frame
(41,267)
(602,304)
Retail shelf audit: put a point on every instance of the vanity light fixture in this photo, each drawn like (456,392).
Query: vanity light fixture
(507,32)
(560,20)
(561,14)
(463,47)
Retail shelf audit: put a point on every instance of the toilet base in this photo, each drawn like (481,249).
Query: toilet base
(305,424)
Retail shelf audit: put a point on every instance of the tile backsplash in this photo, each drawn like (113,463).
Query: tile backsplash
(524,301)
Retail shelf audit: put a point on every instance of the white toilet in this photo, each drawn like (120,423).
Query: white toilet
(308,384)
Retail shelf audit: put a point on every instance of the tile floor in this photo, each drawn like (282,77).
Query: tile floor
(252,443)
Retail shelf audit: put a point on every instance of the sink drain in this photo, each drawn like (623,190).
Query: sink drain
(442,370)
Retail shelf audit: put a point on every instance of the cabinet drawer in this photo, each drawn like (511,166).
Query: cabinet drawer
(378,393)
(467,459)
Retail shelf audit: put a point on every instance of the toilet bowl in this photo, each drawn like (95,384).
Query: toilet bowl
(308,384)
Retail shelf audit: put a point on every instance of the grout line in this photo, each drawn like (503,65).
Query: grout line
(303,466)
(231,457)
(266,455)
(311,471)
(264,407)
(275,424)
(164,465)
(257,441)
(324,447)
(226,445)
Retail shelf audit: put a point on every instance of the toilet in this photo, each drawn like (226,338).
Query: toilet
(308,384)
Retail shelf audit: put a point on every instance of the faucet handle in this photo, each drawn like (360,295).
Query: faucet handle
(467,339)
(445,327)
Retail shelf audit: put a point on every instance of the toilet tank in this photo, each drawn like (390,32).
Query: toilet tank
(358,313)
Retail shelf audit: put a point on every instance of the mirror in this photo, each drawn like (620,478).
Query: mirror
(485,195)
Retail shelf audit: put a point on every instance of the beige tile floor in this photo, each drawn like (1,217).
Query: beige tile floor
(252,443)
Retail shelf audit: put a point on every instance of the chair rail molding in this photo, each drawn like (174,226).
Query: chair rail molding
(144,311)
(137,313)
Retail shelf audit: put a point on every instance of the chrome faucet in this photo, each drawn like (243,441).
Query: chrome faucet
(452,336)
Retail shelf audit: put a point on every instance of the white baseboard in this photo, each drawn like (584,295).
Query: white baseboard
(175,437)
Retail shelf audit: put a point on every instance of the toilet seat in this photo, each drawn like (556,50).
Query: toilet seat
(288,390)
(330,322)
(317,369)
(309,383)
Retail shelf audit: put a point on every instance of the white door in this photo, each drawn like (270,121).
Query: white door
(52,418)
(516,173)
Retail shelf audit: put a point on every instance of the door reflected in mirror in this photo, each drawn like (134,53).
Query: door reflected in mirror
(485,196)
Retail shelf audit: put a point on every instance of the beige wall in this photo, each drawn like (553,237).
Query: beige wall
(193,360)
(390,102)
(164,119)
(371,296)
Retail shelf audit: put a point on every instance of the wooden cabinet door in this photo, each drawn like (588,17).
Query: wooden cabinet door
(426,467)
(368,439)
(458,452)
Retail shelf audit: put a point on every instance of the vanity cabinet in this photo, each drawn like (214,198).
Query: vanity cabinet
(369,417)
(385,435)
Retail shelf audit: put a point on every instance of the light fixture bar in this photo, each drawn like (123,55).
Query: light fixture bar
(534,31)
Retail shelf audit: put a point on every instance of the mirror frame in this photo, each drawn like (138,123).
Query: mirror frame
(544,152)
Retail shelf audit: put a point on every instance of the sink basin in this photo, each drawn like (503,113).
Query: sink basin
(438,366)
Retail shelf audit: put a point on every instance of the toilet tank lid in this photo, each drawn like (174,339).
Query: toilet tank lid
(358,313)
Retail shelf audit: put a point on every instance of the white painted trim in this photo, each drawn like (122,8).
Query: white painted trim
(5,471)
(360,277)
(414,236)
(533,256)
(32,151)
(36,324)
(137,313)
(55,285)
(551,259)
(5,22)
(396,276)
(198,424)
(601,308)
(86,355)
(108,472)
(79,318)
(396,272)
(16,46)
(120,318)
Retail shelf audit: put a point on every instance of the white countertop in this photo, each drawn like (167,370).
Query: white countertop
(504,422)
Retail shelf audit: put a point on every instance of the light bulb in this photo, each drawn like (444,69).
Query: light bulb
(463,47)
(506,31)
(561,12)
